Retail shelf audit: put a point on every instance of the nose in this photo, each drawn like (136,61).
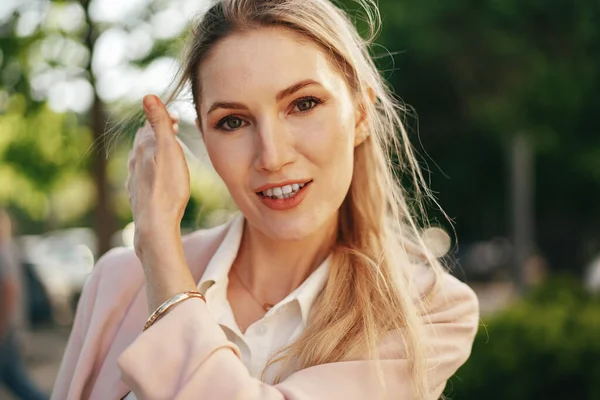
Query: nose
(274,146)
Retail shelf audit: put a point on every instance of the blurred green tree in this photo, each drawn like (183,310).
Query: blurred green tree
(543,346)
(58,61)
(33,175)
(478,73)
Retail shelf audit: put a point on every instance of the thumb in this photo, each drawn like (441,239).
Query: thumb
(158,117)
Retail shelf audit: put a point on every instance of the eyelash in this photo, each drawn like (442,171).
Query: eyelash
(315,100)
(220,125)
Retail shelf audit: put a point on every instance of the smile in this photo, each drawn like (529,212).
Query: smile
(285,197)
(283,192)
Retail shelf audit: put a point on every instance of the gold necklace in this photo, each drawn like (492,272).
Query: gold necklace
(265,306)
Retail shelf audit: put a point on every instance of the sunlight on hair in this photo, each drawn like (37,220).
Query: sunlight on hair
(370,291)
(379,245)
(437,241)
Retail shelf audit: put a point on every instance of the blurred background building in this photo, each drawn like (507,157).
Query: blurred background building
(506,94)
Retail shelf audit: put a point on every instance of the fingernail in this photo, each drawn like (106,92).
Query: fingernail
(150,102)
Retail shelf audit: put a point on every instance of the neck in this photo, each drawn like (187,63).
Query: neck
(273,268)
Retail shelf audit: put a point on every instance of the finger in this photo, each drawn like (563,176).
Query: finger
(129,185)
(131,161)
(146,144)
(175,119)
(174,116)
(159,118)
(144,133)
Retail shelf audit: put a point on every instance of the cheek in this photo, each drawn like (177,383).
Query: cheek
(328,145)
(222,152)
(328,140)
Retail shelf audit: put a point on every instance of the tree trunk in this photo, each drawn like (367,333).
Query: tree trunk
(104,220)
(522,208)
(104,217)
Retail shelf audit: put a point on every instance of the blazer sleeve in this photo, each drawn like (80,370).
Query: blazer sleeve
(65,386)
(186,356)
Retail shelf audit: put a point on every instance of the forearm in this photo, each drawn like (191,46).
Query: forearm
(165,266)
(186,356)
(159,189)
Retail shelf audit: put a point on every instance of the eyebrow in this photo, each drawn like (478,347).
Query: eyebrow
(294,88)
(280,95)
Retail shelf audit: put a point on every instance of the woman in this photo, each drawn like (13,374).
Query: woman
(320,288)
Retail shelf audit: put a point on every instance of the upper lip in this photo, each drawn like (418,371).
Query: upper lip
(281,184)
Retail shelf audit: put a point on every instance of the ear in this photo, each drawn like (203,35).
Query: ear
(362,126)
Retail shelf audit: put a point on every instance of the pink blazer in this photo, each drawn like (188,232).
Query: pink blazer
(186,355)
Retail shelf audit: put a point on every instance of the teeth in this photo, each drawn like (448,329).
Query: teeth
(284,192)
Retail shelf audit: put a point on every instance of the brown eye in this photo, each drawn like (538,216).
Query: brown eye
(305,104)
(230,123)
(233,123)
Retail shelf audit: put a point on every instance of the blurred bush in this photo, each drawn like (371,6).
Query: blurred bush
(545,346)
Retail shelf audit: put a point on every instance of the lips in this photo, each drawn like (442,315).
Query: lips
(281,191)
(286,197)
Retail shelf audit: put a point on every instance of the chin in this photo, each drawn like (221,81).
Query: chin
(292,226)
(291,232)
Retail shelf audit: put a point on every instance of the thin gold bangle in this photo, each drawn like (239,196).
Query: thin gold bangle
(173,301)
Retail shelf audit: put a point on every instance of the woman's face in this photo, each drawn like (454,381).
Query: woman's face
(276,115)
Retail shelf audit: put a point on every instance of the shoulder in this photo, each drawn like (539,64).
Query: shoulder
(120,268)
(117,276)
(445,296)
(120,262)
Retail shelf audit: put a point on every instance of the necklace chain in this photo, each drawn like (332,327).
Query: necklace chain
(265,306)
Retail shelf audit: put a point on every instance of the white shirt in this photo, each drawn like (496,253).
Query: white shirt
(280,325)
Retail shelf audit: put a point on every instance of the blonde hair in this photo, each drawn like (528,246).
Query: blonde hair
(370,290)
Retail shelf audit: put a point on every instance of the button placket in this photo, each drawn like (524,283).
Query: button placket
(258,339)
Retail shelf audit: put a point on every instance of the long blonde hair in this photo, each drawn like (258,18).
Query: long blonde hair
(370,290)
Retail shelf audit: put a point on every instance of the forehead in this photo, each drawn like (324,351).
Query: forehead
(263,59)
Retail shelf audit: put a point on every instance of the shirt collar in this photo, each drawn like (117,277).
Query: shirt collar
(217,271)
(307,292)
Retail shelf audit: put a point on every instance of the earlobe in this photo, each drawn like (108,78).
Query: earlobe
(362,133)
(362,130)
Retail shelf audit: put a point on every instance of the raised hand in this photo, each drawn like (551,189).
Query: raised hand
(159,182)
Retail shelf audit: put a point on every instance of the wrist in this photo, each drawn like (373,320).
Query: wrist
(167,272)
(152,238)
(160,251)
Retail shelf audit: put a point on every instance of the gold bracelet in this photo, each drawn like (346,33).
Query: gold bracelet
(167,305)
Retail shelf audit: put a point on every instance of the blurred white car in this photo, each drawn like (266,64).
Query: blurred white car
(592,280)
(62,260)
